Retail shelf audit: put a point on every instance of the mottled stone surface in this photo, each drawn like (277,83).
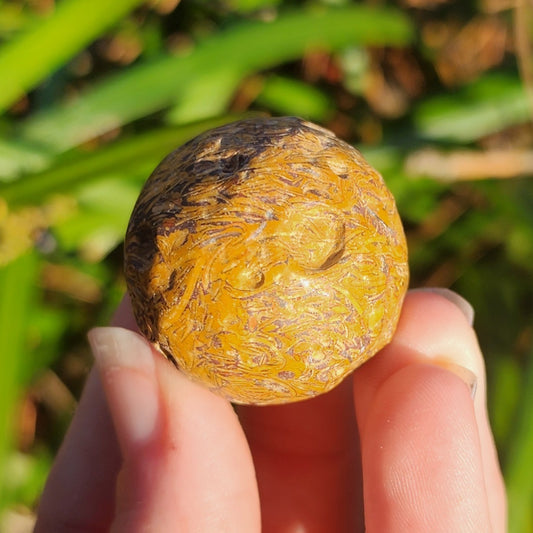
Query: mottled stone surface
(267,260)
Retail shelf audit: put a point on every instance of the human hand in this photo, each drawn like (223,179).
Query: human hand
(398,446)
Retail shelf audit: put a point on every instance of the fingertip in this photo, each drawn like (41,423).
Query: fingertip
(125,362)
(120,347)
(459,301)
(433,330)
(123,316)
(434,325)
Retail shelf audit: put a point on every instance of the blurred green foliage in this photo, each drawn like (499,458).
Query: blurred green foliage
(89,109)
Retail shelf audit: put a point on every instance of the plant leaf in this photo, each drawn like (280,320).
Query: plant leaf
(31,57)
(488,105)
(249,47)
(146,149)
(520,461)
(17,287)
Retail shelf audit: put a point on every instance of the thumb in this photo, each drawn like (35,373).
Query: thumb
(185,457)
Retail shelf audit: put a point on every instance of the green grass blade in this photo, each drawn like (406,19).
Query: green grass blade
(291,96)
(19,158)
(17,287)
(206,95)
(488,105)
(30,58)
(520,462)
(246,48)
(124,154)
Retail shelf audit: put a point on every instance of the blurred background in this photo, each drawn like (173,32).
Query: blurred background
(436,93)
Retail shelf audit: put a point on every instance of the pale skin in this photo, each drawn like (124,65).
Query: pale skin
(399,446)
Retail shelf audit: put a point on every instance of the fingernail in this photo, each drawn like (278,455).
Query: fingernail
(464,373)
(127,370)
(459,301)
